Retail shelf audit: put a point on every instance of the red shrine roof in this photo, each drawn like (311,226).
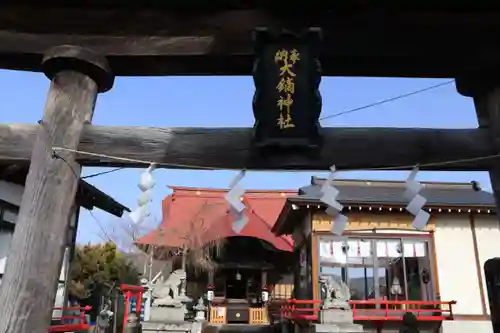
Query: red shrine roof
(201,215)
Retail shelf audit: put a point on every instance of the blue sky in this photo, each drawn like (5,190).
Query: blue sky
(225,102)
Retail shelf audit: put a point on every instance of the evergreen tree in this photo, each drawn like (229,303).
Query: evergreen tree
(95,270)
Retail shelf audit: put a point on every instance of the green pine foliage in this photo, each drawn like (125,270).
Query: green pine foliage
(96,269)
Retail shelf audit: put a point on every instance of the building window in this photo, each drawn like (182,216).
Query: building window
(8,215)
(379,268)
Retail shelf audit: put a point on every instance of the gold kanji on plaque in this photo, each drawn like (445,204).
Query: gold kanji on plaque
(285,119)
(294,56)
(286,59)
(286,85)
(284,104)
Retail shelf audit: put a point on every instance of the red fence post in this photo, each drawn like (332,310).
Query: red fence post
(69,327)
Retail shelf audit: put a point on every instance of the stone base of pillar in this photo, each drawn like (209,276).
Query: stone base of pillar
(338,328)
(167,314)
(337,320)
(162,327)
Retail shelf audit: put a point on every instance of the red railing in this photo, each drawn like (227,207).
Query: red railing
(365,310)
(384,310)
(300,309)
(76,322)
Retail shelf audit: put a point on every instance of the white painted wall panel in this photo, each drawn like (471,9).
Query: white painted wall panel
(488,238)
(464,326)
(456,264)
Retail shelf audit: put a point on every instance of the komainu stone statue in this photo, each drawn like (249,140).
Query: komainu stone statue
(336,293)
(167,292)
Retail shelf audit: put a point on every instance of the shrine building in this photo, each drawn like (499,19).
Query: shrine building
(389,267)
(249,260)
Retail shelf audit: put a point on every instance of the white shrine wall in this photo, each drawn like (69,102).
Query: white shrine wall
(456,263)
(488,236)
(459,278)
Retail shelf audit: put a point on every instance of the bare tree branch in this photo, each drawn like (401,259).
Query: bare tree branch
(198,243)
(197,249)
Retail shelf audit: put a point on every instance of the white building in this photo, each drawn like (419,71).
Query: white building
(382,258)
(11,190)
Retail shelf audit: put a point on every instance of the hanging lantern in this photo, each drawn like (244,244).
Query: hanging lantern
(287,102)
(265,294)
(210,292)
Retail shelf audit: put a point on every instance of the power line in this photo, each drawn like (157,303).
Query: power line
(102,173)
(384,101)
(99,224)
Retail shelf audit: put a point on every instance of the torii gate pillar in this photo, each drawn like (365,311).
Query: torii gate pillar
(29,284)
(484,88)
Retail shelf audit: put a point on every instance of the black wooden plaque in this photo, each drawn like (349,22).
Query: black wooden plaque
(287,102)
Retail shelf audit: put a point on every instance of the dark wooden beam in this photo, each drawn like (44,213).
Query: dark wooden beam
(31,277)
(169,20)
(487,103)
(110,45)
(230,148)
(163,41)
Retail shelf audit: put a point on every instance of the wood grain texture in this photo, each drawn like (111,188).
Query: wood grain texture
(29,284)
(109,45)
(231,148)
(158,40)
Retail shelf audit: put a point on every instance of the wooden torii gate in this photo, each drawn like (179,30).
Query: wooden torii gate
(81,49)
